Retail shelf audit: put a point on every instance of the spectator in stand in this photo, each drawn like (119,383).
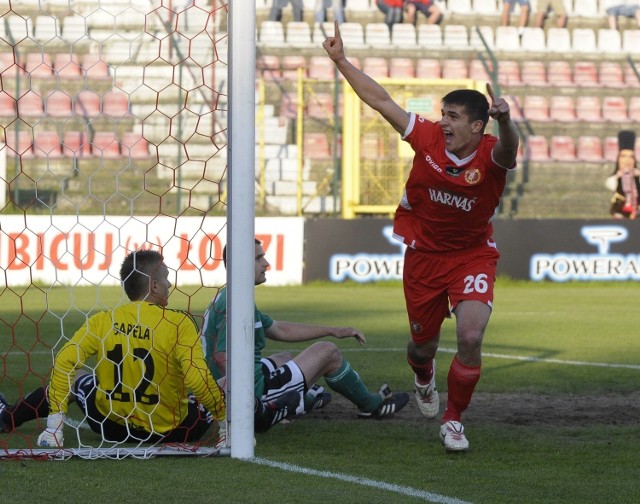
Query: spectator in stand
(392,10)
(321,10)
(624,8)
(428,7)
(275,14)
(507,9)
(625,181)
(545,7)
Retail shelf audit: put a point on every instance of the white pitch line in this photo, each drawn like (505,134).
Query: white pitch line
(524,358)
(381,485)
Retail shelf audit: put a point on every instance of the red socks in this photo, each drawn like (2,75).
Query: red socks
(461,382)
(423,372)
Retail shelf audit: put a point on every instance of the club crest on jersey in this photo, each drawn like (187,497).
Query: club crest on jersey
(416,328)
(472,176)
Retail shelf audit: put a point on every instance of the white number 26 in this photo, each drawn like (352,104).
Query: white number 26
(478,284)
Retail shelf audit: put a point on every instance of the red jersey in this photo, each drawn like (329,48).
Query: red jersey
(448,203)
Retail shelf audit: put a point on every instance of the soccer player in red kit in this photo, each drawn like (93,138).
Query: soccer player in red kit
(444,218)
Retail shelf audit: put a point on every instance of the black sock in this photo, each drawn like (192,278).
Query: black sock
(32,406)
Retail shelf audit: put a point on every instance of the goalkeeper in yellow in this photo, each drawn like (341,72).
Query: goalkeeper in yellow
(151,382)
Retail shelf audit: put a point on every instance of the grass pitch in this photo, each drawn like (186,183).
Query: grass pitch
(555,418)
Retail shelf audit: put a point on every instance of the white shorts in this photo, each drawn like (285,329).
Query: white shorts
(279,381)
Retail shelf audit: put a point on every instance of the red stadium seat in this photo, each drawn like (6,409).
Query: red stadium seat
(630,77)
(39,65)
(30,105)
(320,105)
(67,65)
(560,73)
(8,66)
(371,147)
(134,145)
(537,148)
(321,67)
(105,144)
(611,74)
(634,108)
(21,146)
(588,108)
(536,108)
(611,148)
(290,65)
(7,104)
(115,103)
(402,68)
(47,144)
(375,67)
(316,146)
(268,65)
(477,71)
(562,108)
(585,74)
(562,148)
(87,104)
(589,149)
(515,107)
(94,67)
(288,105)
(509,73)
(428,68)
(455,69)
(533,73)
(76,144)
(58,104)
(614,109)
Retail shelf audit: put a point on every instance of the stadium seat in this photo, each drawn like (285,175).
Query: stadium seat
(290,65)
(352,35)
(288,105)
(86,104)
(375,67)
(588,108)
(76,144)
(30,105)
(21,146)
(614,109)
(533,39)
(67,65)
(562,108)
(583,40)
(134,145)
(402,68)
(39,65)
(8,66)
(477,71)
(507,38)
(455,69)
(403,36)
(323,30)
(268,65)
(630,78)
(45,29)
(561,73)
(475,42)
(320,105)
(58,104)
(558,40)
(105,144)
(611,75)
(589,149)
(536,108)
(7,105)
(533,73)
(115,104)
(321,67)
(631,41)
(47,144)
(316,146)
(429,36)
(95,67)
(272,34)
(460,7)
(18,28)
(585,74)
(456,37)
(74,28)
(428,68)
(562,148)
(299,34)
(509,73)
(537,148)
(634,108)
(485,7)
(609,41)
(371,147)
(377,35)
(611,148)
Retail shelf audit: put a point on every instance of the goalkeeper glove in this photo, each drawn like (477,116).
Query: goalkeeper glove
(52,436)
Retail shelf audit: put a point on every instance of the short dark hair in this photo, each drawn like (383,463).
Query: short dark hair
(136,270)
(224,252)
(474,103)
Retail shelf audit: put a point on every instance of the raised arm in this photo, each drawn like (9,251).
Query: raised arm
(506,148)
(369,91)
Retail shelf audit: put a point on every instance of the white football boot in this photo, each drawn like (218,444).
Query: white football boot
(452,437)
(427,396)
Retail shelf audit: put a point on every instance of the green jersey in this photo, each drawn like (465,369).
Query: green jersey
(214,337)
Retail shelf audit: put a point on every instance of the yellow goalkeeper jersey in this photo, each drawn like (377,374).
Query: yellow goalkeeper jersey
(147,359)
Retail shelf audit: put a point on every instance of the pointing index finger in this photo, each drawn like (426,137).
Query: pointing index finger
(490,92)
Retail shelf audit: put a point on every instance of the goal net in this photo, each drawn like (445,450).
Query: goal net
(114,137)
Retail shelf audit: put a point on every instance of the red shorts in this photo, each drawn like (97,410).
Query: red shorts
(434,284)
